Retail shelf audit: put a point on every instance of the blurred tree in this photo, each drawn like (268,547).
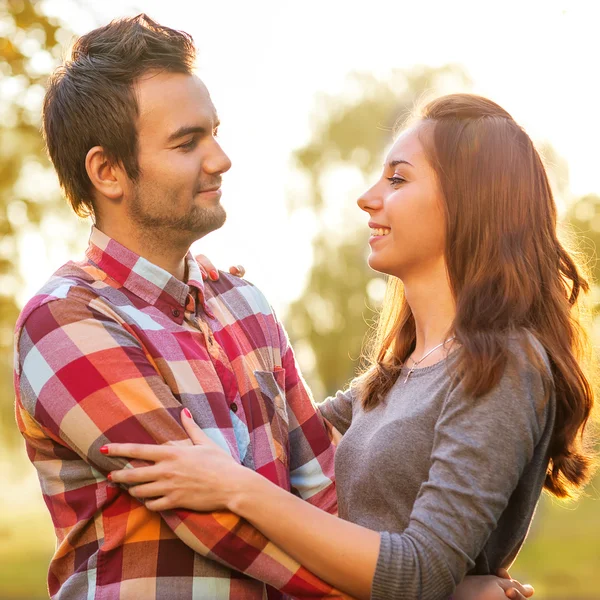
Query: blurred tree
(331,317)
(31,45)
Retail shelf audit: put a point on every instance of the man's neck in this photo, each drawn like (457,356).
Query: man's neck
(168,255)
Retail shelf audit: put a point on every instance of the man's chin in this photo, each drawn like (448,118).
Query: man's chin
(205,224)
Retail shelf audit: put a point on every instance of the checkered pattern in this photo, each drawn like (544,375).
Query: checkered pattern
(110,350)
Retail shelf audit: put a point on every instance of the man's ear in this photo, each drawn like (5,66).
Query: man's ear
(106,177)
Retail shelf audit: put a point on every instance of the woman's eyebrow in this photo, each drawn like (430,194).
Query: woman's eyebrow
(395,163)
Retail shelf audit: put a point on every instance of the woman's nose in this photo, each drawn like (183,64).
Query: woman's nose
(370,201)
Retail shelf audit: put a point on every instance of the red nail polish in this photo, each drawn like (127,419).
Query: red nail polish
(214,275)
(109,477)
(187,413)
(104,449)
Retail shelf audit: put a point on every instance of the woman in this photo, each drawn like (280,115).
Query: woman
(475,399)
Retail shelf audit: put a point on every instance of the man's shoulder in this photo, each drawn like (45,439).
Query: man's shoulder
(71,282)
(240,296)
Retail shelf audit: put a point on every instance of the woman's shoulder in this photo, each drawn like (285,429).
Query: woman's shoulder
(528,353)
(528,375)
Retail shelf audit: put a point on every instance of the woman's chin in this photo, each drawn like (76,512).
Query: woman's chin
(377,264)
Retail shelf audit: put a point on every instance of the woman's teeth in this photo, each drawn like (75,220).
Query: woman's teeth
(379,231)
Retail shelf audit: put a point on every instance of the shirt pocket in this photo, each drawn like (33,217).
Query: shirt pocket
(272,389)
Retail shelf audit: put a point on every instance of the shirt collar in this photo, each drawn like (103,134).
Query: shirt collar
(146,280)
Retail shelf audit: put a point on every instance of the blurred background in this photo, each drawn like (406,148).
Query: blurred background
(308,94)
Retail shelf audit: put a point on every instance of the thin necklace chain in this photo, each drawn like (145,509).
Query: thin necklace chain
(416,363)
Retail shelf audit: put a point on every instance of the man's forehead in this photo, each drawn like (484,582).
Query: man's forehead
(167,99)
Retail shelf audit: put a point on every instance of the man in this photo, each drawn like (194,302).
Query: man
(114,347)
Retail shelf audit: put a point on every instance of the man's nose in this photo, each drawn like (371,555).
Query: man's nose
(217,161)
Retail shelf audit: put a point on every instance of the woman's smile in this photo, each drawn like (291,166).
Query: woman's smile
(377,231)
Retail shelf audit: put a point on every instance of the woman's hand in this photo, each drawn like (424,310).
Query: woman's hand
(204,477)
(490,587)
(209,270)
(201,477)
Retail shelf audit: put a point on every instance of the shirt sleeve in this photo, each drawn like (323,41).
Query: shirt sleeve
(87,381)
(481,448)
(338,409)
(312,449)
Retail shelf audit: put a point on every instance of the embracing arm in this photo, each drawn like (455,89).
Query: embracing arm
(85,380)
(477,461)
(312,450)
(345,553)
(476,464)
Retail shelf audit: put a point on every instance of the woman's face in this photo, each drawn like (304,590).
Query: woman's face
(406,212)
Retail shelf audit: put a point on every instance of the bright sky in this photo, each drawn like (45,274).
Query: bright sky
(265,61)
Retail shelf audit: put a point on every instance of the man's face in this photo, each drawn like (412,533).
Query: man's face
(178,191)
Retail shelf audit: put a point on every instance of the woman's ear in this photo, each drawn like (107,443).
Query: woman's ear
(104,175)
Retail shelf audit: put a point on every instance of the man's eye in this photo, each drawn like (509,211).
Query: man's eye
(395,181)
(188,145)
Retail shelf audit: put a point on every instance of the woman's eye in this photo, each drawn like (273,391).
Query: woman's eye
(395,181)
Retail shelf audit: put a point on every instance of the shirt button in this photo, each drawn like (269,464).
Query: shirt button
(234,407)
(175,312)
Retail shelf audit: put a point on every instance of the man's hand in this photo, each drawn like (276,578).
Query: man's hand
(209,271)
(490,587)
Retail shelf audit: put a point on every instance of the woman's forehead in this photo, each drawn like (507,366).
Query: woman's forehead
(408,147)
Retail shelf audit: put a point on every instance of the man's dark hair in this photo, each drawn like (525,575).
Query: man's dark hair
(90,100)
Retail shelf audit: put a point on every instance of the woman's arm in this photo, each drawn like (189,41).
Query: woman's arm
(343,552)
(204,477)
(207,476)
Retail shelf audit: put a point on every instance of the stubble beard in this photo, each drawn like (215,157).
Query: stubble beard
(151,216)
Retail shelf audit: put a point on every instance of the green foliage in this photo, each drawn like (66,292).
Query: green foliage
(30,48)
(561,555)
(332,313)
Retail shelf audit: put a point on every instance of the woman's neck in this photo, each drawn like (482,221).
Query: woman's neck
(433,307)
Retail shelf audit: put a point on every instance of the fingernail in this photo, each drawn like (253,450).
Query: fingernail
(214,275)
(104,449)
(187,413)
(109,477)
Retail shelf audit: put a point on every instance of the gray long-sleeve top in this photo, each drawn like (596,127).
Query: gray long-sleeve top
(451,482)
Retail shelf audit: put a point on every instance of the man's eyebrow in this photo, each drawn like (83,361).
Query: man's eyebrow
(190,129)
(395,163)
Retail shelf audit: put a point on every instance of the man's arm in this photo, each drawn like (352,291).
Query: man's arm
(312,446)
(87,381)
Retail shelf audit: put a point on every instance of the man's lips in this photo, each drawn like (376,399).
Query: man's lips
(212,190)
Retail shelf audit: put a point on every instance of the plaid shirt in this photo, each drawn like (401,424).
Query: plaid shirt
(110,350)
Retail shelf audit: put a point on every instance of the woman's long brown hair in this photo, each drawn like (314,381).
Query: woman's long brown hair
(508,273)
